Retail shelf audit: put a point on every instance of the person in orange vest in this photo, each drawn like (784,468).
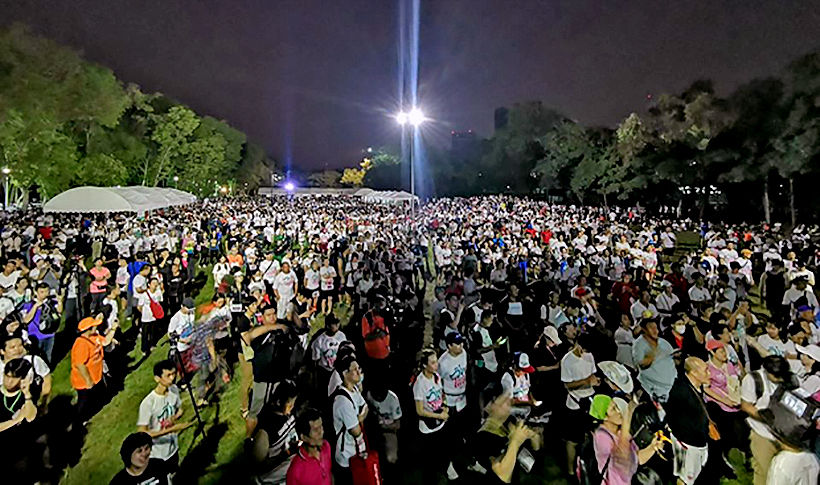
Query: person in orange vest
(87,364)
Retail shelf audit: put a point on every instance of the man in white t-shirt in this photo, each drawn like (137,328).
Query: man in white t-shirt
(452,367)
(578,375)
(159,412)
(385,404)
(349,412)
(181,325)
(755,391)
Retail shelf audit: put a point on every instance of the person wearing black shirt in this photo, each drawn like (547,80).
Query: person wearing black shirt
(140,469)
(264,339)
(275,439)
(772,289)
(688,420)
(496,445)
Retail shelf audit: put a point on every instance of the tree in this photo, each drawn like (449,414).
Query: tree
(798,145)
(325,178)
(353,177)
(101,170)
(759,120)
(170,133)
(515,149)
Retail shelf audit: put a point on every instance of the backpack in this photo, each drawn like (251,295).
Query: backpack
(341,434)
(586,464)
(792,415)
(49,319)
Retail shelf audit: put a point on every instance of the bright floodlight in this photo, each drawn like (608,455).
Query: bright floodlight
(290,187)
(176,178)
(6,170)
(415,117)
(401,117)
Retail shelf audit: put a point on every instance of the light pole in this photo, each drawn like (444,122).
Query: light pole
(414,117)
(6,173)
(176,181)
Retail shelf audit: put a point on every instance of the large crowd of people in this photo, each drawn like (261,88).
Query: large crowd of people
(468,340)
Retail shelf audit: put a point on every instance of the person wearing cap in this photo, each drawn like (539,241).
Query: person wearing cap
(807,369)
(688,421)
(616,453)
(516,381)
(756,390)
(667,300)
(722,396)
(699,293)
(617,377)
(182,324)
(87,355)
(654,358)
(140,468)
(546,358)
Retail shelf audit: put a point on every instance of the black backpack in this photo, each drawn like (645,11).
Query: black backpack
(586,464)
(792,414)
(49,318)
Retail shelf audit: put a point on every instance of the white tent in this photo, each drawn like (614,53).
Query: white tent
(117,199)
(388,197)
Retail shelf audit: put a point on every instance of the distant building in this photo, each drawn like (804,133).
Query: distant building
(501,116)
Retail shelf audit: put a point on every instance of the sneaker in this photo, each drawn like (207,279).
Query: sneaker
(476,467)
(451,472)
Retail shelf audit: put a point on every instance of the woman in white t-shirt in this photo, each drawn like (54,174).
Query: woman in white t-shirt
(148,322)
(428,394)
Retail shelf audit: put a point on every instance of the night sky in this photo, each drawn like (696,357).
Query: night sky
(315,81)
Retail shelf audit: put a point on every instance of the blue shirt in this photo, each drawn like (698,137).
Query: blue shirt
(658,378)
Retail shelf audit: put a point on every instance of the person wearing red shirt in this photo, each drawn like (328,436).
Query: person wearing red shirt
(623,292)
(312,463)
(679,284)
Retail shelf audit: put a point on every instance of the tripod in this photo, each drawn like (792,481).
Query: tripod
(186,379)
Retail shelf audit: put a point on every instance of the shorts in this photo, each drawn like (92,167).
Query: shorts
(325,294)
(688,460)
(308,293)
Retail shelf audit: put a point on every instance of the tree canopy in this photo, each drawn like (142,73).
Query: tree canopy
(66,122)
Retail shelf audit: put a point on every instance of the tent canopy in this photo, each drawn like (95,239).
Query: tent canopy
(117,199)
(388,197)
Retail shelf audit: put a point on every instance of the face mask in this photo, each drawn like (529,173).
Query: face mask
(680,329)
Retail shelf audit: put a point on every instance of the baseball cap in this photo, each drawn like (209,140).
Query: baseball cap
(666,283)
(618,374)
(454,338)
(87,323)
(522,361)
(713,344)
(804,308)
(188,303)
(811,350)
(552,334)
